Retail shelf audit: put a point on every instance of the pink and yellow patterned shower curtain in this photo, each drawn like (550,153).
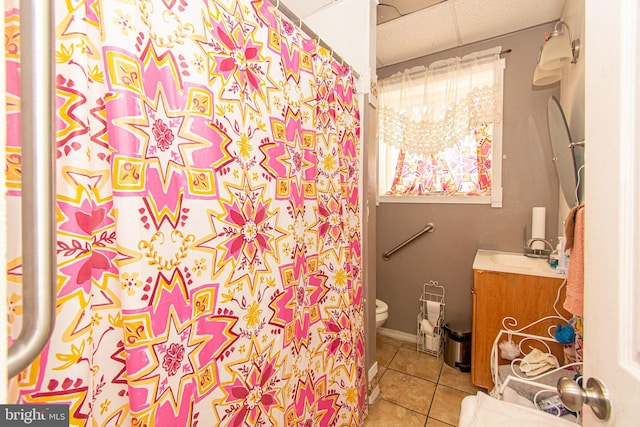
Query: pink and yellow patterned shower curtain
(208,242)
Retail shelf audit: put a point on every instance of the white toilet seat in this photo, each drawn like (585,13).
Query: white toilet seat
(382,313)
(381,307)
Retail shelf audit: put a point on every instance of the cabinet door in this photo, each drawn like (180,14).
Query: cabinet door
(497,295)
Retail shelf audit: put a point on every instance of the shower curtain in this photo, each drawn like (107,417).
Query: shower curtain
(208,240)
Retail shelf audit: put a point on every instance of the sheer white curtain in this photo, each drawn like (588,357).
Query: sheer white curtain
(425,110)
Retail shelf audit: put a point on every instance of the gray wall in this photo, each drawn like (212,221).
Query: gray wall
(528,179)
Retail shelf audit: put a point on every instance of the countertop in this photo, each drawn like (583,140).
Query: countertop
(513,262)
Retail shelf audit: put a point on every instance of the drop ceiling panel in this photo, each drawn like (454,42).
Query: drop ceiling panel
(393,9)
(409,6)
(480,20)
(444,25)
(417,34)
(305,8)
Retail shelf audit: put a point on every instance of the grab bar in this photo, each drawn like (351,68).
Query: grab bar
(429,228)
(38,183)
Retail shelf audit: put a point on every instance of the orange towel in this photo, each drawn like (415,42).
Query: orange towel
(569,227)
(574,300)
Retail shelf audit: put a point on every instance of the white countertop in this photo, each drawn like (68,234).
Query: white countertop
(513,262)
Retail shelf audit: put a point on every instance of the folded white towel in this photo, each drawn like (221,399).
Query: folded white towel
(537,362)
(484,411)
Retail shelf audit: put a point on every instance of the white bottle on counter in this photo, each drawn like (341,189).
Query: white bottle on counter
(563,257)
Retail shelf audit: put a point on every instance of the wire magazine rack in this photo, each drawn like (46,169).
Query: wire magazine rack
(430,336)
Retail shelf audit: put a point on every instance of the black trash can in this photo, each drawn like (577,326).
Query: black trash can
(457,349)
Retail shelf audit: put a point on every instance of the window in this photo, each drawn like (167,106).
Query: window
(440,132)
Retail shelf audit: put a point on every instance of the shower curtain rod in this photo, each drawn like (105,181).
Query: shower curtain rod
(502,53)
(305,28)
(421,69)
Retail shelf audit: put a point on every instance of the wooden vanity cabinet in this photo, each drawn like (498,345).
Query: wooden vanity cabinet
(497,295)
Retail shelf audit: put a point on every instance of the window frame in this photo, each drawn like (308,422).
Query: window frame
(495,200)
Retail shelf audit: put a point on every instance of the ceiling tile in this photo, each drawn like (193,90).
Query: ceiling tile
(305,8)
(393,9)
(425,31)
(480,20)
(445,25)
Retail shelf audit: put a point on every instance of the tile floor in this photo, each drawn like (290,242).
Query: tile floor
(416,389)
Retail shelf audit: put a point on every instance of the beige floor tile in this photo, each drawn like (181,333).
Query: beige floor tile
(453,378)
(385,353)
(384,339)
(418,364)
(435,423)
(381,371)
(446,405)
(410,345)
(387,414)
(407,391)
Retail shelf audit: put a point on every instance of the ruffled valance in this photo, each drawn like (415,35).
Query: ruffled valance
(427,109)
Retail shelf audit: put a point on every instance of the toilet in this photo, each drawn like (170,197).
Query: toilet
(382,312)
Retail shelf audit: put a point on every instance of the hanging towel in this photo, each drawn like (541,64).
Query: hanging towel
(569,227)
(574,299)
